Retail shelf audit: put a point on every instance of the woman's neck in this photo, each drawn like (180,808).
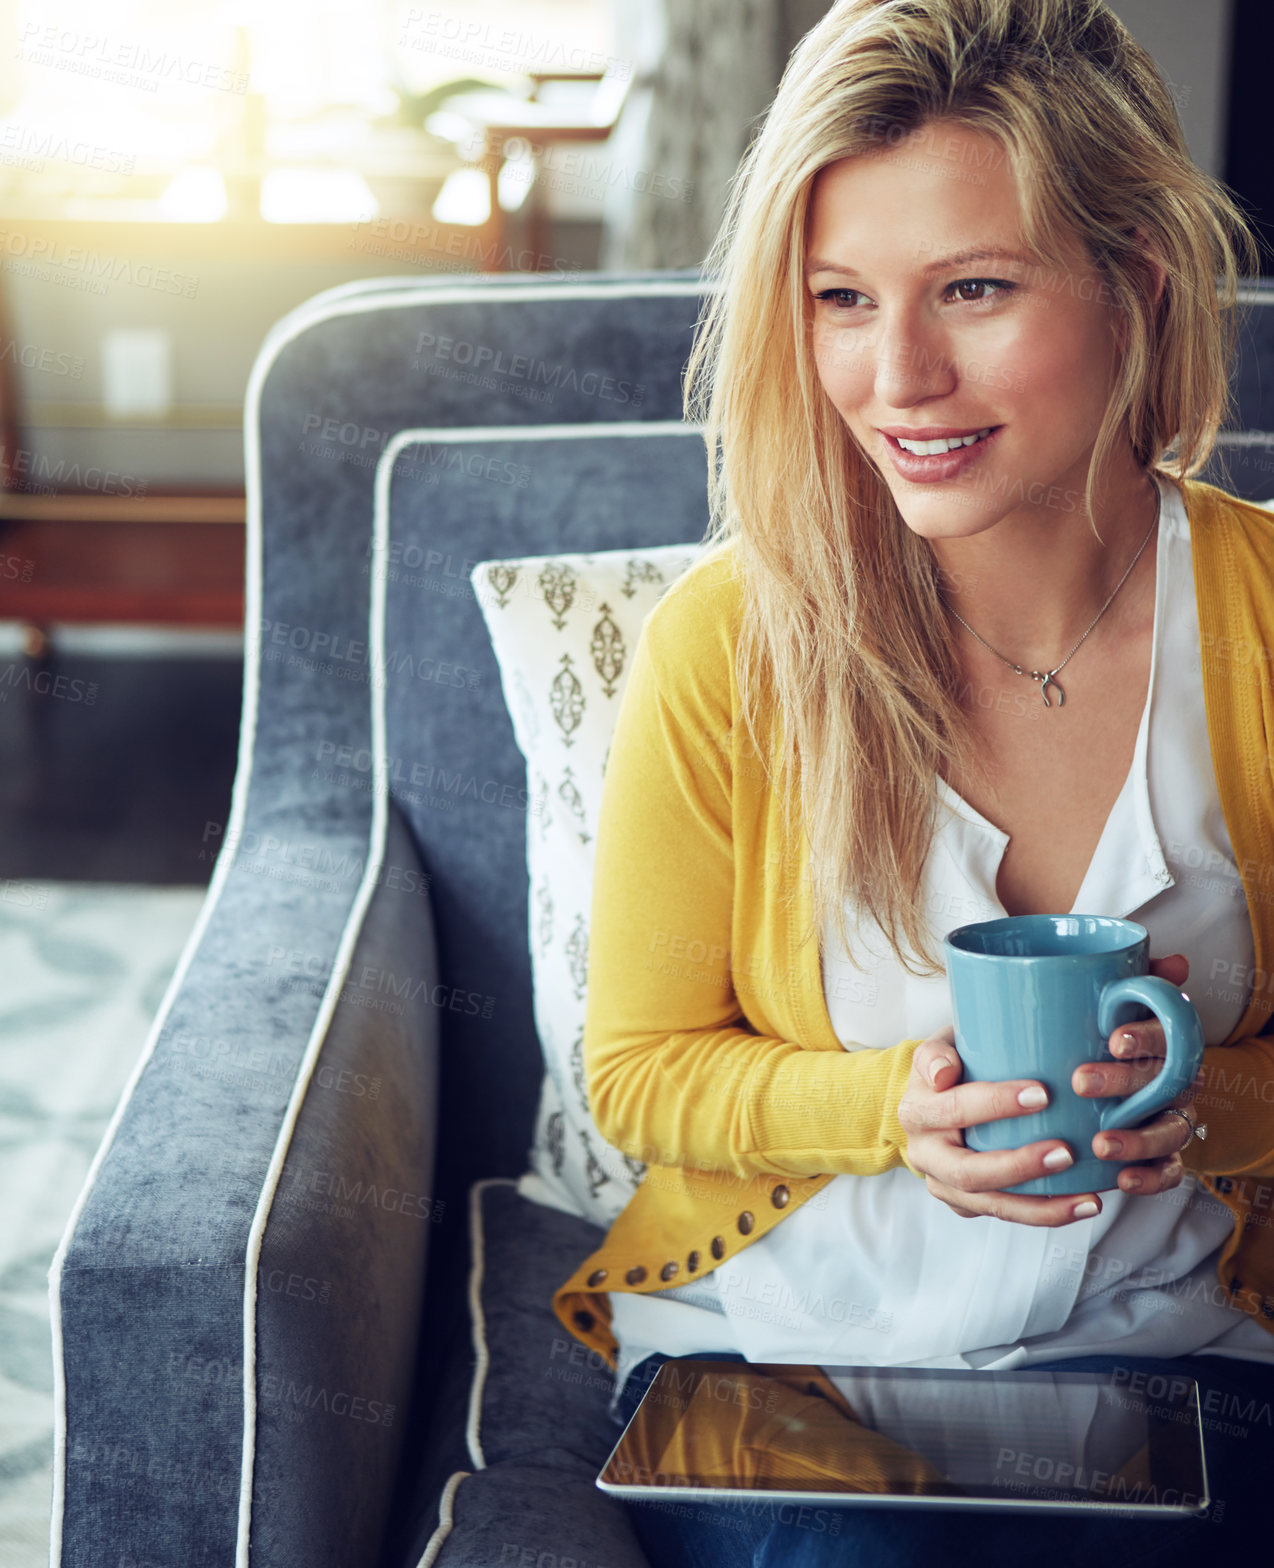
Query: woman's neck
(1032,584)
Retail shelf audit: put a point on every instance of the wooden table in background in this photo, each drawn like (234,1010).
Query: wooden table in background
(163,560)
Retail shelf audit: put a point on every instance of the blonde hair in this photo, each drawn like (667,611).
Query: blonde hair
(845,641)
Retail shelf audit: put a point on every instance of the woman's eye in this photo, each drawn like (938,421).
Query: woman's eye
(839,299)
(996,285)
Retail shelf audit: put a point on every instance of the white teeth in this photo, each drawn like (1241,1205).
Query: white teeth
(946,444)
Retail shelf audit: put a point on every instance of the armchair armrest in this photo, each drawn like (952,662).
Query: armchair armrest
(236,1298)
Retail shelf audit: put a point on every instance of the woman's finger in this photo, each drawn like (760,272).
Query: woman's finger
(969,1104)
(935,1060)
(1143,1039)
(1157,1176)
(1159,1139)
(1114,1080)
(1018,1207)
(1175,969)
(991,1170)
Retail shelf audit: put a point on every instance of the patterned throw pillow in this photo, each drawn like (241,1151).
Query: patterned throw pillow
(564,628)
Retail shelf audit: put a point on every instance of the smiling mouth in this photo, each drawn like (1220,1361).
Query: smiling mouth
(942,444)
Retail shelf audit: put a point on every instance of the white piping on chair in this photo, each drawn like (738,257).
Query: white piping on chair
(322,1023)
(481,1364)
(445,1520)
(482,1361)
(477,1318)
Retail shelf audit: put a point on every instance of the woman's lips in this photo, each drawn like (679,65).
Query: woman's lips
(944,466)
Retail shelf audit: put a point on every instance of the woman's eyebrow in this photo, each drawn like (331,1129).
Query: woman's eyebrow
(959,259)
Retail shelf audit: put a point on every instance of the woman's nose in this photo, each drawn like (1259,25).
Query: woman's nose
(912,364)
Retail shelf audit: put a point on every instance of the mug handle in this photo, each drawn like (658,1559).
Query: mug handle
(1183,1036)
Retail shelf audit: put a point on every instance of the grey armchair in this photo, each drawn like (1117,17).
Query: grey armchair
(301,1311)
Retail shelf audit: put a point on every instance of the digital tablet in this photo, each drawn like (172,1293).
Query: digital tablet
(1117,1443)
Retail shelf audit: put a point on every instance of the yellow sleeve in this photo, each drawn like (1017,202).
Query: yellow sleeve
(1236,1101)
(676,1074)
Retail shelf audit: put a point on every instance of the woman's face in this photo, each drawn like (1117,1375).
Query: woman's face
(931,323)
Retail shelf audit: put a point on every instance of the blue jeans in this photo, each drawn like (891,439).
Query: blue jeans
(1237,1401)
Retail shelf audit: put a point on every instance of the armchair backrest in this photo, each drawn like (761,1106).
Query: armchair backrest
(477,370)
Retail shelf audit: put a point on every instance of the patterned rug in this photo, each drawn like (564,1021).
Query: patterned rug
(83,969)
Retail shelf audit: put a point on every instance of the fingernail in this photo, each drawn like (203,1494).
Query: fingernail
(1058,1159)
(1084,1211)
(1031,1099)
(1093,1082)
(1112,1148)
(937,1068)
(1126,1042)
(1132,1183)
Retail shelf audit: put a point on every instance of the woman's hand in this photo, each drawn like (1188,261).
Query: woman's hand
(936,1108)
(1156,1145)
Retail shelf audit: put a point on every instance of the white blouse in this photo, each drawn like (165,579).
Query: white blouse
(873,1270)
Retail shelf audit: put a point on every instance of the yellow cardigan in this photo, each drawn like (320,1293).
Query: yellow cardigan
(709,1051)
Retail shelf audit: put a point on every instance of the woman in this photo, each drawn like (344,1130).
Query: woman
(946,663)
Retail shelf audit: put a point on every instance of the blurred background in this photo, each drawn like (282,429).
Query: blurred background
(176,176)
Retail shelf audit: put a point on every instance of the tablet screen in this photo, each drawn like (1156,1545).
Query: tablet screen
(1046,1441)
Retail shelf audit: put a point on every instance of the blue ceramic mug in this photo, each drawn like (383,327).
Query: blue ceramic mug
(1034,996)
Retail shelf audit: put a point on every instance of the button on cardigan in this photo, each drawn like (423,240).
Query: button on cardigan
(710,1052)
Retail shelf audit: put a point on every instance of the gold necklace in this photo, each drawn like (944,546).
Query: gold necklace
(1049,677)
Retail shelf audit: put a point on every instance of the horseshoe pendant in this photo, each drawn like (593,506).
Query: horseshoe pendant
(1061,695)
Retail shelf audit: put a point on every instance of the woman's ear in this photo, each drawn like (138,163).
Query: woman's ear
(1156,272)
(1153,276)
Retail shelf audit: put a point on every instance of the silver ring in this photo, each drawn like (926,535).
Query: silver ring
(1197,1129)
